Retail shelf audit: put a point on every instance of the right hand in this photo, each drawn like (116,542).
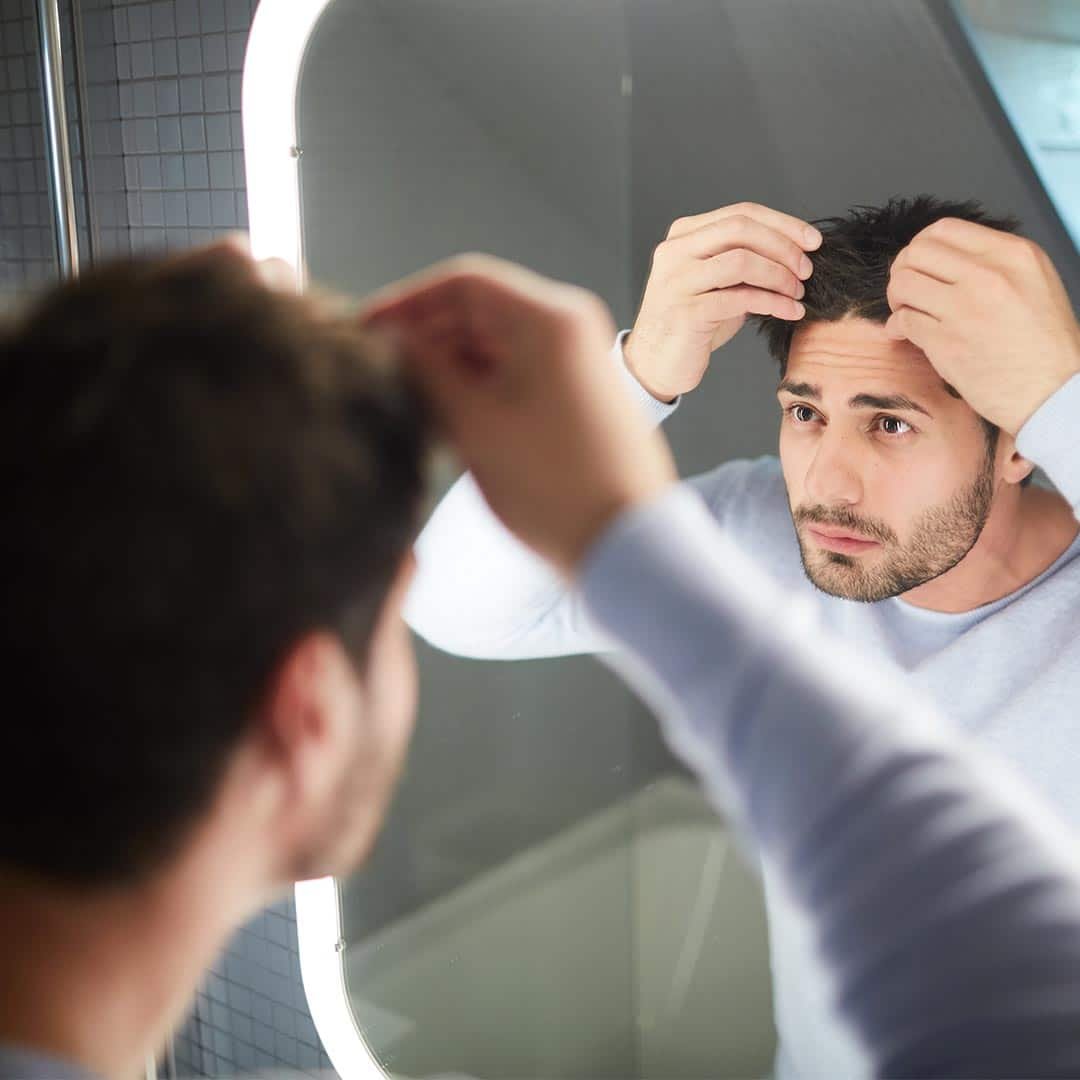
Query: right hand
(710,272)
(516,368)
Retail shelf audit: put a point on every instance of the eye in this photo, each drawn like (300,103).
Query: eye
(801,414)
(893,426)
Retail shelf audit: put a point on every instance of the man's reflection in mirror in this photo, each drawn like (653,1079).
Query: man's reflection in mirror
(901,512)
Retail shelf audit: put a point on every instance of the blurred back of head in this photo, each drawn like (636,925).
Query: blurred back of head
(199,470)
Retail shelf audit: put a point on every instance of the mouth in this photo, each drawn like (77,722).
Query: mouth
(834,540)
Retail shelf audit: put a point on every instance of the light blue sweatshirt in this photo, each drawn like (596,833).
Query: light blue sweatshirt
(940,897)
(1007,673)
(939,904)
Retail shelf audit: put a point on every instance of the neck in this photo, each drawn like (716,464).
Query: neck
(1026,531)
(102,978)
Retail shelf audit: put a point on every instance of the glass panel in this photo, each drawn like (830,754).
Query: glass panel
(1031,53)
(551,897)
(27,244)
(541,897)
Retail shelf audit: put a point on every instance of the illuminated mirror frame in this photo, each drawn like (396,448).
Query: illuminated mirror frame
(279,36)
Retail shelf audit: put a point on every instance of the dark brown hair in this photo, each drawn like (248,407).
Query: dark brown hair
(198,470)
(851,268)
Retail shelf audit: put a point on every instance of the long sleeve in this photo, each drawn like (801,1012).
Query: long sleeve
(945,900)
(1049,439)
(479,592)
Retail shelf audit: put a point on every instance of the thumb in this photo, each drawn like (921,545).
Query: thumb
(894,327)
(448,371)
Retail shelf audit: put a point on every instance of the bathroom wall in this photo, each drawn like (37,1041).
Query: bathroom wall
(179,65)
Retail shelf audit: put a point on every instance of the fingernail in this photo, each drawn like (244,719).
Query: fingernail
(800,311)
(802,291)
(806,267)
(813,237)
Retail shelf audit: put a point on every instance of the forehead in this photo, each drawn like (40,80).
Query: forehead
(857,350)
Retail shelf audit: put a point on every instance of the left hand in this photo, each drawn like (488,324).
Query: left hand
(990,312)
(516,367)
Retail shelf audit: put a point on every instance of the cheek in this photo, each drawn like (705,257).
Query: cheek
(794,461)
(401,688)
(392,691)
(901,492)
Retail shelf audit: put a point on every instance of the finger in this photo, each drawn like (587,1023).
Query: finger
(914,289)
(448,372)
(962,235)
(800,232)
(745,300)
(278,274)
(935,259)
(914,326)
(742,267)
(469,282)
(744,232)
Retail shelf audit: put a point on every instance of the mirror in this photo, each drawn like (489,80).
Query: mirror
(552,896)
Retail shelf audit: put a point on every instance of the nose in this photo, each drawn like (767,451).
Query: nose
(833,477)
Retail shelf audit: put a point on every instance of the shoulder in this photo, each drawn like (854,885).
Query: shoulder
(746,485)
(748,498)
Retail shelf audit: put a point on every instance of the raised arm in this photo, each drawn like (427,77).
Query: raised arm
(479,592)
(945,900)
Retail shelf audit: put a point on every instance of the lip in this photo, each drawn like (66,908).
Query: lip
(842,542)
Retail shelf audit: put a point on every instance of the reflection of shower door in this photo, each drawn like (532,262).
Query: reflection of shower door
(523,970)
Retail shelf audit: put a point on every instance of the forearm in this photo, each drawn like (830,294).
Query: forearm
(943,906)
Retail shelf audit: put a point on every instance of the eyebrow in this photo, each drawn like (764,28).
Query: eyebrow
(895,402)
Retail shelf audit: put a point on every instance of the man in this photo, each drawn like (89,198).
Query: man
(915,535)
(212,486)
(955,950)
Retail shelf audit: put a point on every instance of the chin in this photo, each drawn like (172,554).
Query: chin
(845,578)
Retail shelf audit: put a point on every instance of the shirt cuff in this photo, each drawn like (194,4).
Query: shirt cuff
(657,411)
(1049,440)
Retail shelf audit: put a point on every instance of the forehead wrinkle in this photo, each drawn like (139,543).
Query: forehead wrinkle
(888,376)
(853,339)
(856,351)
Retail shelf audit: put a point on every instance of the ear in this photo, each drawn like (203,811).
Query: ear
(308,723)
(1013,467)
